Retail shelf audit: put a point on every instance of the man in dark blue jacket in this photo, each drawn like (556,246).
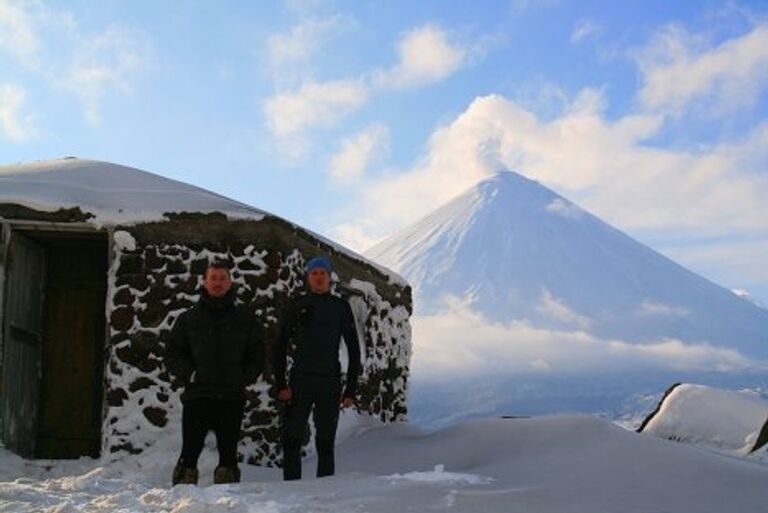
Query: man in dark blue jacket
(215,349)
(314,323)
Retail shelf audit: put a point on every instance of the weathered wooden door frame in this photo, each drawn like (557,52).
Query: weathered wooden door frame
(21,384)
(7,228)
(5,239)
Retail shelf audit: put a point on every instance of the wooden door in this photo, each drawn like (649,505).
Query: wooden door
(22,320)
(73,349)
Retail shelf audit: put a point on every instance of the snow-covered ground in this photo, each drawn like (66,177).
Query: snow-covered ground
(574,463)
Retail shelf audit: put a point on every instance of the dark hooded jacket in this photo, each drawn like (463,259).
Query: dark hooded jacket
(314,324)
(215,349)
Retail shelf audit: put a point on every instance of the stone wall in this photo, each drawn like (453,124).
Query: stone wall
(153,281)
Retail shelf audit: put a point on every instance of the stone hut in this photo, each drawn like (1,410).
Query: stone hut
(96,262)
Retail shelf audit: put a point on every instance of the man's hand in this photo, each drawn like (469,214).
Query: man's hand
(347,402)
(285,394)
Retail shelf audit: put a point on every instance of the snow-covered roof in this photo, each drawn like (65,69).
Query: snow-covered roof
(114,194)
(122,195)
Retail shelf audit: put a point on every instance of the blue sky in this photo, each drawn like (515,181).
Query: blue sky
(355,118)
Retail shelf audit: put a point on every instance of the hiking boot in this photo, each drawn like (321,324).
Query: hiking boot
(224,475)
(184,475)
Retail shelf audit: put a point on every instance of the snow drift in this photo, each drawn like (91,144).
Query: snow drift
(721,419)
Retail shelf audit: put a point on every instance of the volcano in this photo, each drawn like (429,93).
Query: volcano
(517,250)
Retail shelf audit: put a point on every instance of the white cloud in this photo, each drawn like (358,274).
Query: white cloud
(356,154)
(302,102)
(657,308)
(49,43)
(315,103)
(353,236)
(425,56)
(677,71)
(565,208)
(460,342)
(681,356)
(303,40)
(557,310)
(107,62)
(17,35)
(603,165)
(584,29)
(14,124)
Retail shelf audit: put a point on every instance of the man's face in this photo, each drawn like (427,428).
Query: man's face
(319,280)
(217,281)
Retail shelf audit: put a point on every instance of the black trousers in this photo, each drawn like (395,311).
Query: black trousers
(318,396)
(198,417)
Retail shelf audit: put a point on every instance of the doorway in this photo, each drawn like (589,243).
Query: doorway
(54,337)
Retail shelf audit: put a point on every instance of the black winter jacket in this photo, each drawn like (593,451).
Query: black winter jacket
(315,323)
(215,349)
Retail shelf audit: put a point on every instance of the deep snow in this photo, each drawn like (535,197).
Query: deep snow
(557,463)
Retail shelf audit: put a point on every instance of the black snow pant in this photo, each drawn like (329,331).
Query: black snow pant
(318,395)
(201,415)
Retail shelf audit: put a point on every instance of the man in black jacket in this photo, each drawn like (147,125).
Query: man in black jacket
(215,349)
(315,322)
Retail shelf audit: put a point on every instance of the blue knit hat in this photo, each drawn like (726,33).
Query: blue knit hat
(321,261)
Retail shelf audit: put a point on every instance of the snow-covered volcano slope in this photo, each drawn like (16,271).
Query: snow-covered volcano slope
(523,252)
(561,463)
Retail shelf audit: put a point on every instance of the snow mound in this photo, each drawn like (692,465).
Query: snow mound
(439,475)
(720,419)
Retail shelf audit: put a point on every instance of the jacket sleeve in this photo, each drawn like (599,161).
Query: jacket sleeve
(280,347)
(349,330)
(254,356)
(178,356)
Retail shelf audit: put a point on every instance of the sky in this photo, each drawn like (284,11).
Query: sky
(354,119)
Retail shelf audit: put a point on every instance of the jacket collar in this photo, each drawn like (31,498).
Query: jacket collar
(217,304)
